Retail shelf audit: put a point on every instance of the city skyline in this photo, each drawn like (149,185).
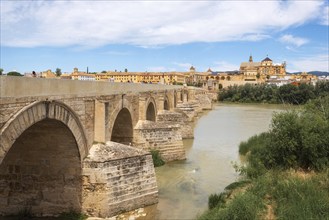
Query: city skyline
(162,35)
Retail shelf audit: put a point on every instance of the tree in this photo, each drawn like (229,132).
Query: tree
(14,73)
(1,71)
(126,70)
(58,72)
(104,71)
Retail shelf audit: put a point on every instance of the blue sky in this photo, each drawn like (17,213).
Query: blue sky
(162,35)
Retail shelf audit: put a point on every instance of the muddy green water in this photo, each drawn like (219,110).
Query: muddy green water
(184,186)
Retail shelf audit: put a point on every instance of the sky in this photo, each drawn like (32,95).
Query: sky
(162,36)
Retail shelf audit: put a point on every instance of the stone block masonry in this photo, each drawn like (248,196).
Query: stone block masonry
(178,118)
(162,136)
(117,178)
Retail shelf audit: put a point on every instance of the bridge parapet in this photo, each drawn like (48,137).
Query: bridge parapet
(18,87)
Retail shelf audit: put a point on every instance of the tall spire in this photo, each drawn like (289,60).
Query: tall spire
(250,58)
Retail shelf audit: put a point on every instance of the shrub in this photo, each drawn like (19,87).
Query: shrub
(297,139)
(254,142)
(157,159)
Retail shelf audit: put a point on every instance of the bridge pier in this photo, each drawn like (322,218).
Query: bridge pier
(117,178)
(99,123)
(161,136)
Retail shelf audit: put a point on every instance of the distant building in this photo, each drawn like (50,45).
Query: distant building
(76,75)
(47,74)
(254,71)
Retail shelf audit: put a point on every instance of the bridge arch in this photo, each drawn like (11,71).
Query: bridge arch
(44,144)
(151,110)
(175,99)
(166,105)
(122,131)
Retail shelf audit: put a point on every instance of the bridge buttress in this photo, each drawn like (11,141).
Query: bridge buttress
(100,129)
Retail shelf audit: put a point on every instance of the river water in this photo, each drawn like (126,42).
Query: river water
(184,186)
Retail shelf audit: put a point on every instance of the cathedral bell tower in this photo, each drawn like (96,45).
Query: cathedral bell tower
(250,59)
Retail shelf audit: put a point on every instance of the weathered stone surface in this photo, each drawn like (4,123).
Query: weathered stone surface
(41,174)
(162,136)
(117,178)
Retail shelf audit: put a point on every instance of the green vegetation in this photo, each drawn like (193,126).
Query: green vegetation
(286,175)
(58,72)
(297,139)
(1,71)
(13,73)
(157,159)
(275,195)
(263,93)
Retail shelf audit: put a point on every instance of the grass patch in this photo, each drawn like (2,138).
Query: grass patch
(279,194)
(238,184)
(301,199)
(243,206)
(217,200)
(157,159)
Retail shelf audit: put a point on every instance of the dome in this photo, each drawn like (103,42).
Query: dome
(266,59)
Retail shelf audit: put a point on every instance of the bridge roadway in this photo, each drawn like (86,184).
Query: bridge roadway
(84,146)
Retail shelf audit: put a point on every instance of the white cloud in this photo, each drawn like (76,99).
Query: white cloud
(324,19)
(147,23)
(290,39)
(319,62)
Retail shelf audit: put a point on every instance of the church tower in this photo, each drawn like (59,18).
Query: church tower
(250,59)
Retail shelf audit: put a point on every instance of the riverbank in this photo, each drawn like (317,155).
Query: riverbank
(276,195)
(286,175)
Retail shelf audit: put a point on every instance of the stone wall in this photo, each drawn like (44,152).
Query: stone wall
(178,118)
(8,110)
(164,137)
(117,178)
(41,173)
(204,101)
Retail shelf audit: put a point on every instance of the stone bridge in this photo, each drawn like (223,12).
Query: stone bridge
(85,146)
